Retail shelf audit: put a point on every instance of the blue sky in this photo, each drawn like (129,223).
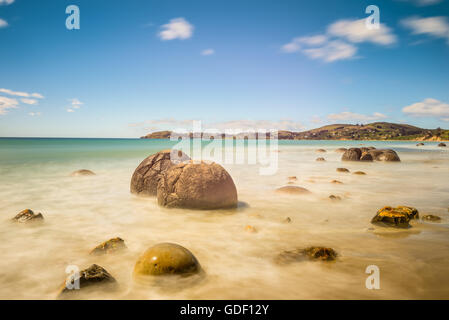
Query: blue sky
(137,66)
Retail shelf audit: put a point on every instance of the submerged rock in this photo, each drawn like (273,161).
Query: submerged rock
(420,144)
(166,259)
(147,175)
(294,190)
(442,144)
(197,186)
(333,197)
(27,215)
(110,246)
(94,276)
(431,217)
(320,150)
(320,159)
(341,150)
(370,154)
(384,155)
(342,170)
(82,172)
(292,178)
(288,220)
(310,253)
(250,229)
(395,217)
(336,182)
(360,173)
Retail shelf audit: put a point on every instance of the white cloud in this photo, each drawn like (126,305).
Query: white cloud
(350,116)
(332,51)
(3,23)
(33,114)
(29,101)
(356,31)
(338,41)
(70,110)
(74,104)
(7,103)
(177,28)
(21,94)
(428,108)
(6,2)
(434,26)
(207,52)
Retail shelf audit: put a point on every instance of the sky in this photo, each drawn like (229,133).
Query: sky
(139,66)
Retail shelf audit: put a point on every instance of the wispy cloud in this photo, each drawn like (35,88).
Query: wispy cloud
(3,23)
(7,103)
(74,104)
(21,94)
(338,43)
(428,108)
(350,116)
(29,101)
(437,27)
(6,2)
(177,28)
(207,52)
(34,114)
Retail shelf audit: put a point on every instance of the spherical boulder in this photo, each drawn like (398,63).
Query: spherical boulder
(146,176)
(166,259)
(366,156)
(197,185)
(384,155)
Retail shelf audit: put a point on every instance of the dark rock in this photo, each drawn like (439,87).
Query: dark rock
(332,197)
(420,144)
(110,246)
(94,276)
(361,173)
(28,215)
(320,159)
(384,155)
(147,175)
(197,186)
(366,156)
(352,154)
(442,144)
(310,253)
(342,170)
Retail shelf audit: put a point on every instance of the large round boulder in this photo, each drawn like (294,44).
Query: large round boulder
(146,176)
(292,190)
(197,185)
(384,155)
(166,259)
(352,154)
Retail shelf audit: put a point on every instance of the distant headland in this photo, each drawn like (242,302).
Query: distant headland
(370,131)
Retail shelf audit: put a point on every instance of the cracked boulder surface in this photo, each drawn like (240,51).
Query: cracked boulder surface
(146,176)
(197,185)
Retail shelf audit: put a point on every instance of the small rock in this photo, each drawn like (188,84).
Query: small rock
(92,276)
(341,150)
(250,229)
(288,220)
(82,172)
(110,246)
(420,144)
(311,253)
(320,159)
(28,215)
(342,170)
(320,150)
(166,259)
(332,197)
(395,217)
(442,144)
(431,217)
(292,190)
(360,173)
(336,182)
(292,178)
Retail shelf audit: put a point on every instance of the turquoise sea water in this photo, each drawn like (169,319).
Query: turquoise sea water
(81,212)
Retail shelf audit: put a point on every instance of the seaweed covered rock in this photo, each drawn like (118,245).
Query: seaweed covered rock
(166,259)
(310,253)
(431,217)
(110,246)
(28,215)
(82,172)
(197,186)
(92,277)
(398,217)
(292,190)
(147,175)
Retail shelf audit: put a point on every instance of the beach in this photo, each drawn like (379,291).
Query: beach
(81,212)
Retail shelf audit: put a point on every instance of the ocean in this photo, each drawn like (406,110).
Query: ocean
(81,212)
